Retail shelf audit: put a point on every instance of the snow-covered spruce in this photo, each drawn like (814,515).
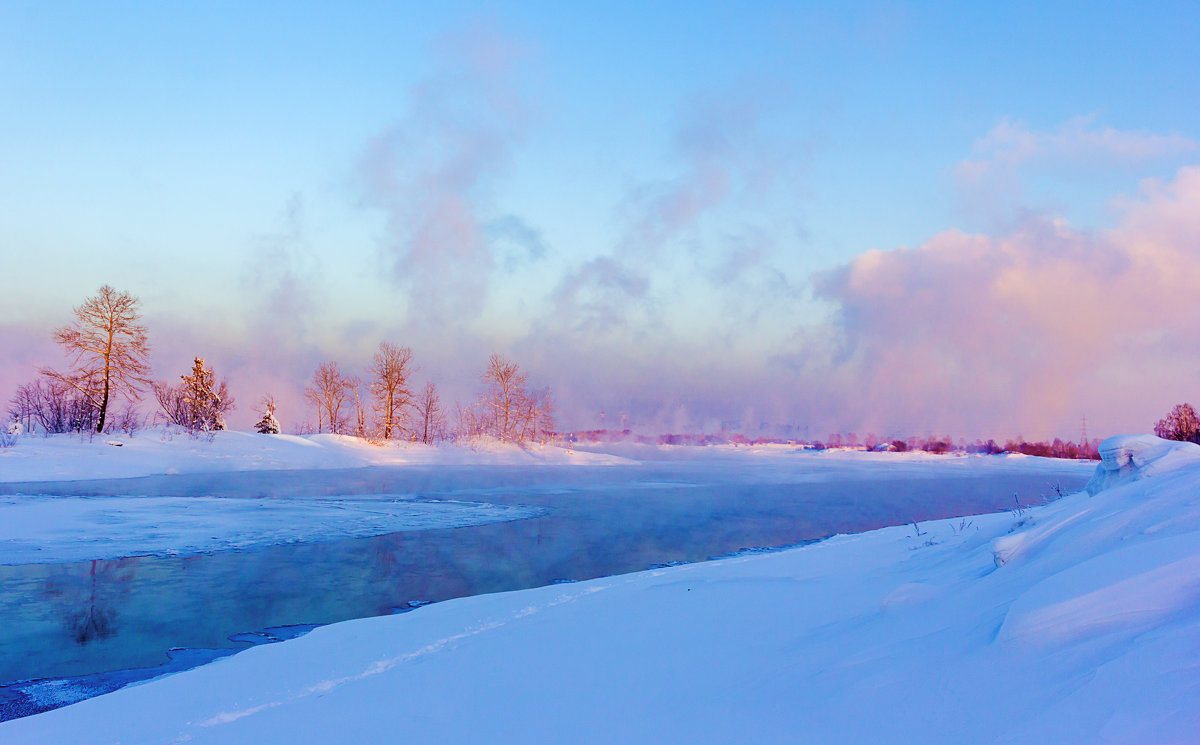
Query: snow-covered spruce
(268,425)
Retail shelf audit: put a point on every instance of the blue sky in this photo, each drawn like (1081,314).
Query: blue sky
(638,201)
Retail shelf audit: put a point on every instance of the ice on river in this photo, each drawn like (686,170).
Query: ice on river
(53,529)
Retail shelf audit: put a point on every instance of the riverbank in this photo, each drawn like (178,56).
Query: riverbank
(1072,622)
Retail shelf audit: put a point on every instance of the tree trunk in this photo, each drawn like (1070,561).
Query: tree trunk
(103,406)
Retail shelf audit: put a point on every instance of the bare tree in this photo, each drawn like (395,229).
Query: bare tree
(504,398)
(431,420)
(54,406)
(354,384)
(535,416)
(109,350)
(467,422)
(23,406)
(172,402)
(543,416)
(508,410)
(328,394)
(390,370)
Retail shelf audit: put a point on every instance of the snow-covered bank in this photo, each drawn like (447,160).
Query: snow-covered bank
(45,530)
(1075,622)
(70,457)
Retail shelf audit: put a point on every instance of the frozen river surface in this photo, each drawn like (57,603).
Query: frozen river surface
(76,628)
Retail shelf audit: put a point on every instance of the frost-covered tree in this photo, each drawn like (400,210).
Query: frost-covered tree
(10,432)
(508,410)
(268,425)
(503,398)
(390,370)
(209,399)
(198,403)
(1180,424)
(541,416)
(109,351)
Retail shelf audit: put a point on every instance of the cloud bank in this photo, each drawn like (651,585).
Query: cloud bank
(689,323)
(1028,331)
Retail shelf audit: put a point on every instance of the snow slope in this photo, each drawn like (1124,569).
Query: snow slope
(157,451)
(1078,622)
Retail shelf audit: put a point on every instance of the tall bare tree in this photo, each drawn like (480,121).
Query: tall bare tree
(390,370)
(504,397)
(541,415)
(108,348)
(328,393)
(354,385)
(431,420)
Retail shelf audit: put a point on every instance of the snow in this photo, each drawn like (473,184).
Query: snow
(158,451)
(1076,622)
(1126,458)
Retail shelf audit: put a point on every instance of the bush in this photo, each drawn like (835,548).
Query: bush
(1180,424)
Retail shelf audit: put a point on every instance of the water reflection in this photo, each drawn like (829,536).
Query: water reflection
(88,601)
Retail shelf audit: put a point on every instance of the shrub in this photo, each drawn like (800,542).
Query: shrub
(1180,424)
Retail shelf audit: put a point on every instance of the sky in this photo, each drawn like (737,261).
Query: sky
(781,218)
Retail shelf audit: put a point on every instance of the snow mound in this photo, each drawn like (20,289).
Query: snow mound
(1119,561)
(1127,458)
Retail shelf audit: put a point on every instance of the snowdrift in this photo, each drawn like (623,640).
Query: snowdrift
(1076,622)
(1127,458)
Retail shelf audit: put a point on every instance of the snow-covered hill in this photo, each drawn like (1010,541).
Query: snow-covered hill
(1078,622)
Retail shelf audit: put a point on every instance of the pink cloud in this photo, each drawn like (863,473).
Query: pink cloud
(1028,331)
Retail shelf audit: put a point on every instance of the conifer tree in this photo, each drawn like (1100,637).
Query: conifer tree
(268,425)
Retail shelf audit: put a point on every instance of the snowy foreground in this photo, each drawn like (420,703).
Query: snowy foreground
(1078,622)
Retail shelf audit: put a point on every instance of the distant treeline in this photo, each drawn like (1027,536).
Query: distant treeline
(109,353)
(1055,449)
